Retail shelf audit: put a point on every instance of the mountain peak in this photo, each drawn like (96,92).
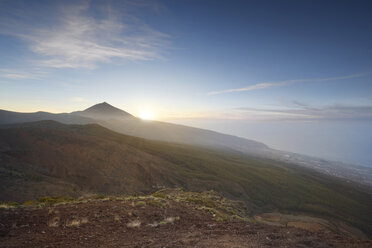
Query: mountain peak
(101,105)
(105,108)
(103,111)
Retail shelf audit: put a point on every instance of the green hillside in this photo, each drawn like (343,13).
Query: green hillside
(122,164)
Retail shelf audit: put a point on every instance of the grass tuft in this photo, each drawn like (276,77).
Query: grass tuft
(140,204)
(134,224)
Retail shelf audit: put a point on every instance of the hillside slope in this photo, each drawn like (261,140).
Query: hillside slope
(49,158)
(120,121)
(170,218)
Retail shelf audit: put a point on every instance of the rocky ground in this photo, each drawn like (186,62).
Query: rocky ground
(165,219)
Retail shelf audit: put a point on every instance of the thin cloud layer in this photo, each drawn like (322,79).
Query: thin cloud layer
(296,111)
(79,38)
(21,74)
(301,111)
(267,85)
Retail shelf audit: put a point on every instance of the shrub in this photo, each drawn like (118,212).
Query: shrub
(134,224)
(202,201)
(160,195)
(49,200)
(99,196)
(30,203)
(54,222)
(74,222)
(140,204)
(155,203)
(9,203)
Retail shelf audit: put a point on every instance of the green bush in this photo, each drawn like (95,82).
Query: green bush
(155,203)
(49,200)
(140,204)
(29,203)
(202,201)
(9,203)
(99,196)
(159,195)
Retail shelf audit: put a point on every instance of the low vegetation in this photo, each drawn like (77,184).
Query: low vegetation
(8,204)
(265,184)
(220,208)
(212,204)
(94,159)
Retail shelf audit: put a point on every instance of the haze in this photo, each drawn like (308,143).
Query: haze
(298,79)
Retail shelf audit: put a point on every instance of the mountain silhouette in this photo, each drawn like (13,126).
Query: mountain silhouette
(121,121)
(103,111)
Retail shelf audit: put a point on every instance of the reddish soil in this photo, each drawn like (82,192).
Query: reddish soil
(104,224)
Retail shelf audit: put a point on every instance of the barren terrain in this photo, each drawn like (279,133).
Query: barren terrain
(166,219)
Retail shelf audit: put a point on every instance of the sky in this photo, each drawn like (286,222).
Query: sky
(295,75)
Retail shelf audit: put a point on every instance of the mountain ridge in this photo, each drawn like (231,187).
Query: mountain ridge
(125,123)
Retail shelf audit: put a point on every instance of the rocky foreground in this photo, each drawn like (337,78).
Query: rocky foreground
(169,218)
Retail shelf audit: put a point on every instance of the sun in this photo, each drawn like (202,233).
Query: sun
(146,114)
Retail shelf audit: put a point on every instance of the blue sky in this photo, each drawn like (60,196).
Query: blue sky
(223,65)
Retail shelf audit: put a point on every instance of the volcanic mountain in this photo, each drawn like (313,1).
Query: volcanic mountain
(103,111)
(123,122)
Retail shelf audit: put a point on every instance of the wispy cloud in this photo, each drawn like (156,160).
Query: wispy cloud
(266,85)
(20,74)
(16,76)
(77,37)
(301,111)
(296,111)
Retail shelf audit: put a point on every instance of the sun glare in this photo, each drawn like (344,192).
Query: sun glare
(146,115)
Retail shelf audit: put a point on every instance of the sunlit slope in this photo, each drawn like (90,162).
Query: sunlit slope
(174,133)
(48,158)
(120,121)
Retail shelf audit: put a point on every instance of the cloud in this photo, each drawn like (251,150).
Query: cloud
(295,111)
(77,37)
(202,115)
(16,76)
(20,74)
(267,85)
(303,112)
